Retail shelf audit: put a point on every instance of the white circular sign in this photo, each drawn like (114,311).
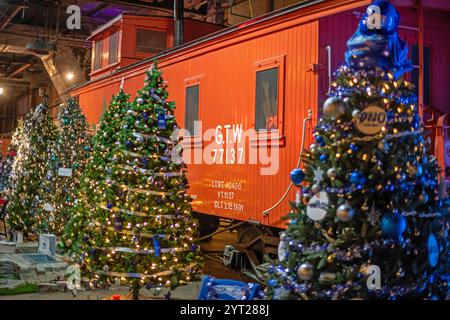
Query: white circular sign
(371,120)
(317,206)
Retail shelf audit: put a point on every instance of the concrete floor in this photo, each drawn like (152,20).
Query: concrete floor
(212,248)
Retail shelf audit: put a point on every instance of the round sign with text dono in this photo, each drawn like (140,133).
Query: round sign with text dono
(371,120)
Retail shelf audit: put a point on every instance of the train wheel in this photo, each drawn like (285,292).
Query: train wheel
(251,237)
(206,224)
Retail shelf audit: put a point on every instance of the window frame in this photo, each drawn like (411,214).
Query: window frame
(272,137)
(143,54)
(196,139)
(119,42)
(104,52)
(97,53)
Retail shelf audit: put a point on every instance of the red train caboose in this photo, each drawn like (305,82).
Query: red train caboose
(251,85)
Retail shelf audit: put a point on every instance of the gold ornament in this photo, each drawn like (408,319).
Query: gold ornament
(345,212)
(68,242)
(326,277)
(330,258)
(305,271)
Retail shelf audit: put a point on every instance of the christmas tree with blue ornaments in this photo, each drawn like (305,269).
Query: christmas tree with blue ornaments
(135,223)
(372,220)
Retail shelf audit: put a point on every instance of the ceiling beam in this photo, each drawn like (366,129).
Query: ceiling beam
(18,60)
(19,69)
(21,83)
(9,18)
(98,8)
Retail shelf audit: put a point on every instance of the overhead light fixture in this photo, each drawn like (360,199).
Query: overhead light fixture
(1,90)
(70,75)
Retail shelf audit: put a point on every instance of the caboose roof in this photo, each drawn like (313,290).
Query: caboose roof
(130,15)
(215,36)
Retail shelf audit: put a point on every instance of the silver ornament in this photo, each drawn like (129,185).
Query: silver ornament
(305,271)
(355,114)
(140,101)
(345,213)
(332,173)
(333,108)
(315,188)
(313,148)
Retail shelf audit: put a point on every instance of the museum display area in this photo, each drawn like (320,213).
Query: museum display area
(224,150)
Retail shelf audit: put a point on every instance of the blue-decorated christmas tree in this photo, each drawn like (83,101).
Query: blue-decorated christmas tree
(371,222)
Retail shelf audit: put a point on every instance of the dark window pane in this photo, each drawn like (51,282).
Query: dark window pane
(192,96)
(113,47)
(426,72)
(98,54)
(266,99)
(150,40)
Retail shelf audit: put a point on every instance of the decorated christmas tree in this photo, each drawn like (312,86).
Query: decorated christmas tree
(371,222)
(26,192)
(140,228)
(70,154)
(103,147)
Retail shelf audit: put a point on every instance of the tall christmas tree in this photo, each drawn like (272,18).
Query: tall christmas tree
(371,222)
(26,192)
(103,147)
(70,154)
(141,229)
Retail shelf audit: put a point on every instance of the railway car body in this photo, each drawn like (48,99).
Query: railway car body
(251,86)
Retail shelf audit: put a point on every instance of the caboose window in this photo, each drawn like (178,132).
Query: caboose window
(266,99)
(150,41)
(98,54)
(426,72)
(191,111)
(113,47)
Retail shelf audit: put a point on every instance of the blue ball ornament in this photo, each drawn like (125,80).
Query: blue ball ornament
(353,147)
(128,144)
(393,225)
(357,178)
(272,282)
(297,176)
(323,158)
(320,141)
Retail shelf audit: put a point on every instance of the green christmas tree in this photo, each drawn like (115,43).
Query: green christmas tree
(103,146)
(70,154)
(370,203)
(141,229)
(26,192)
